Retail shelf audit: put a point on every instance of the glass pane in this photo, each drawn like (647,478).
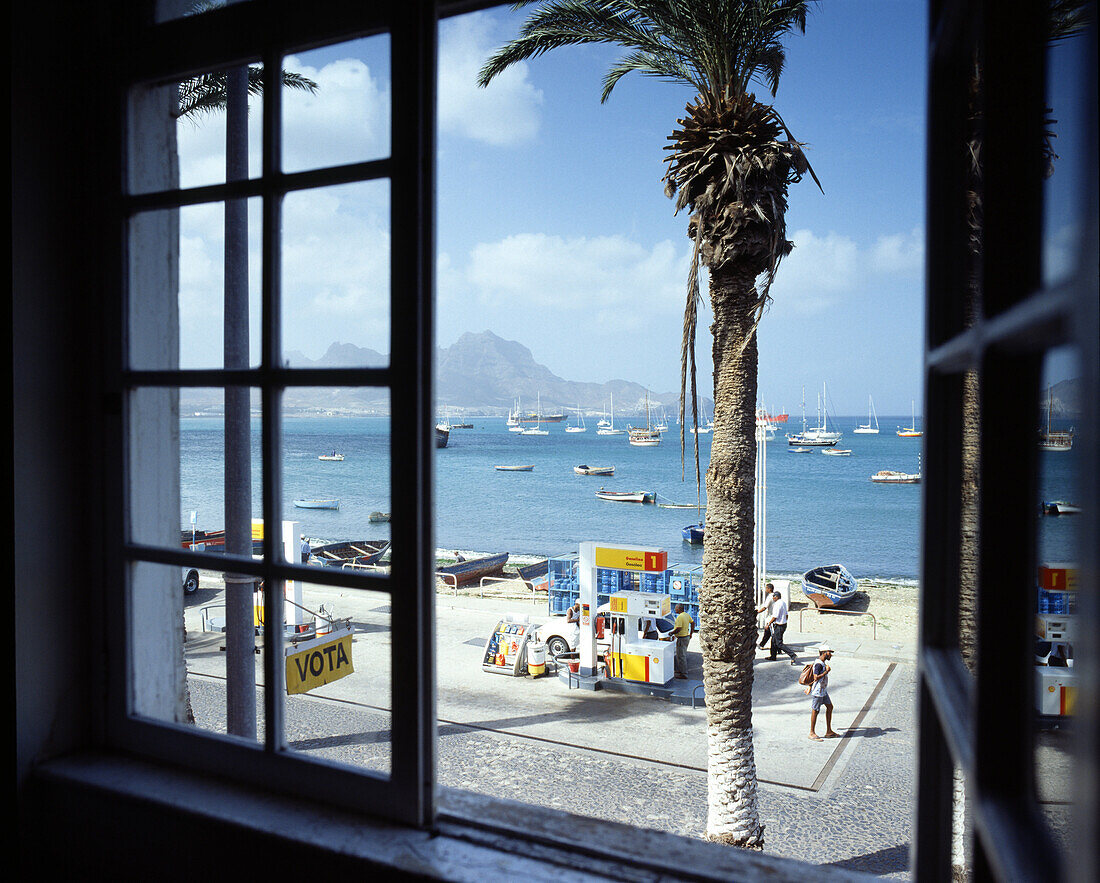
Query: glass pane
(345,116)
(336,480)
(347,719)
(178,304)
(180,674)
(210,666)
(1059,410)
(336,466)
(1068,158)
(336,276)
(203,466)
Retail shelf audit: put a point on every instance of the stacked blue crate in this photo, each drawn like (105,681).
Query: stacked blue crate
(562,572)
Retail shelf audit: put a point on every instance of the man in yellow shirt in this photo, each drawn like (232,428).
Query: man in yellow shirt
(683,631)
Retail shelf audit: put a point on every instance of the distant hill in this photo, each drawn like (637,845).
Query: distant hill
(478,374)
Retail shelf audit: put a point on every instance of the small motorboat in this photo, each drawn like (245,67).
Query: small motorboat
(379,517)
(1060,507)
(829,585)
(799,450)
(585,469)
(627,496)
(693,534)
(317,504)
(528,468)
(332,456)
(888,476)
(837,452)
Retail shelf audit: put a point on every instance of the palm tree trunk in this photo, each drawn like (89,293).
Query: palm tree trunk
(728,618)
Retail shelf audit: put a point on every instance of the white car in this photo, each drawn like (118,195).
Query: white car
(556,634)
(190,580)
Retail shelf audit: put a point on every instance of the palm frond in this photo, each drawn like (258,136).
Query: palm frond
(206,93)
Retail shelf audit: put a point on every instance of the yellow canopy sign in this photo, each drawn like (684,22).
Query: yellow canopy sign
(631,559)
(320,661)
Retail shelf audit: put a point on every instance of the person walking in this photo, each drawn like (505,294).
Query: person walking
(819,694)
(683,630)
(777,622)
(766,609)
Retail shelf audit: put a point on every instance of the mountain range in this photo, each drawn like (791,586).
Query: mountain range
(478,374)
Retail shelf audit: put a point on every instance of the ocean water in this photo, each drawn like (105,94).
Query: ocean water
(820,509)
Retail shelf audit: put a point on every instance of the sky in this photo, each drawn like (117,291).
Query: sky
(552,224)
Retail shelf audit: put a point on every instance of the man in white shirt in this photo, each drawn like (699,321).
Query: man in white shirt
(778,624)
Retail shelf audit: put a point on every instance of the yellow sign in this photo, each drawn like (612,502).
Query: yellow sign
(321,661)
(632,559)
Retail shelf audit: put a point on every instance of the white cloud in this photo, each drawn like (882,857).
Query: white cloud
(346,120)
(502,114)
(610,273)
(899,253)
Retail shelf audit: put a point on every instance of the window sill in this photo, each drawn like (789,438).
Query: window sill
(132,817)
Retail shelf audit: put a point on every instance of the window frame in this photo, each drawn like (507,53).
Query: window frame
(980,724)
(264,32)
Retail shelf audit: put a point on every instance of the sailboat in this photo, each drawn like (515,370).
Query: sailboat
(513,419)
(872,417)
(648,437)
(1055,439)
(706,426)
(610,429)
(818,436)
(911,430)
(582,427)
(537,428)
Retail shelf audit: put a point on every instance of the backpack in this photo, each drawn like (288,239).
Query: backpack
(806,678)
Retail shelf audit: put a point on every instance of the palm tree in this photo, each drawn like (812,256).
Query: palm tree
(731,161)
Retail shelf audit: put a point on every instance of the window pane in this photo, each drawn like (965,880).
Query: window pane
(1067,128)
(336,462)
(1060,409)
(336,276)
(203,466)
(209,682)
(177,305)
(346,118)
(202,125)
(346,720)
(336,480)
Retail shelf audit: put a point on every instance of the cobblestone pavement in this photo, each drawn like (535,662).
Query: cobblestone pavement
(859,820)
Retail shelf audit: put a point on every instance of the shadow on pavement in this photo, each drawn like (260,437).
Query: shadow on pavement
(882,861)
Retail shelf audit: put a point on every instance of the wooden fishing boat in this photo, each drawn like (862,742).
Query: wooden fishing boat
(829,585)
(627,496)
(528,468)
(467,571)
(799,450)
(536,575)
(333,456)
(317,504)
(837,452)
(585,469)
(442,434)
(379,517)
(693,534)
(359,553)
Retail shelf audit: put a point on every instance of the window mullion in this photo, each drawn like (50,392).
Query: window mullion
(271,397)
(413,600)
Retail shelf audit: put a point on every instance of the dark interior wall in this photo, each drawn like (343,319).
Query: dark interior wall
(62,104)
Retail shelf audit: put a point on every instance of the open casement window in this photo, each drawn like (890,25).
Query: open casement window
(146,680)
(993,316)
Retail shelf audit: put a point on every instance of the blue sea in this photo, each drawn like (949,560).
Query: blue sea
(820,509)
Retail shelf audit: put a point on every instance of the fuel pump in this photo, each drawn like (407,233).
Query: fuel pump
(635,658)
